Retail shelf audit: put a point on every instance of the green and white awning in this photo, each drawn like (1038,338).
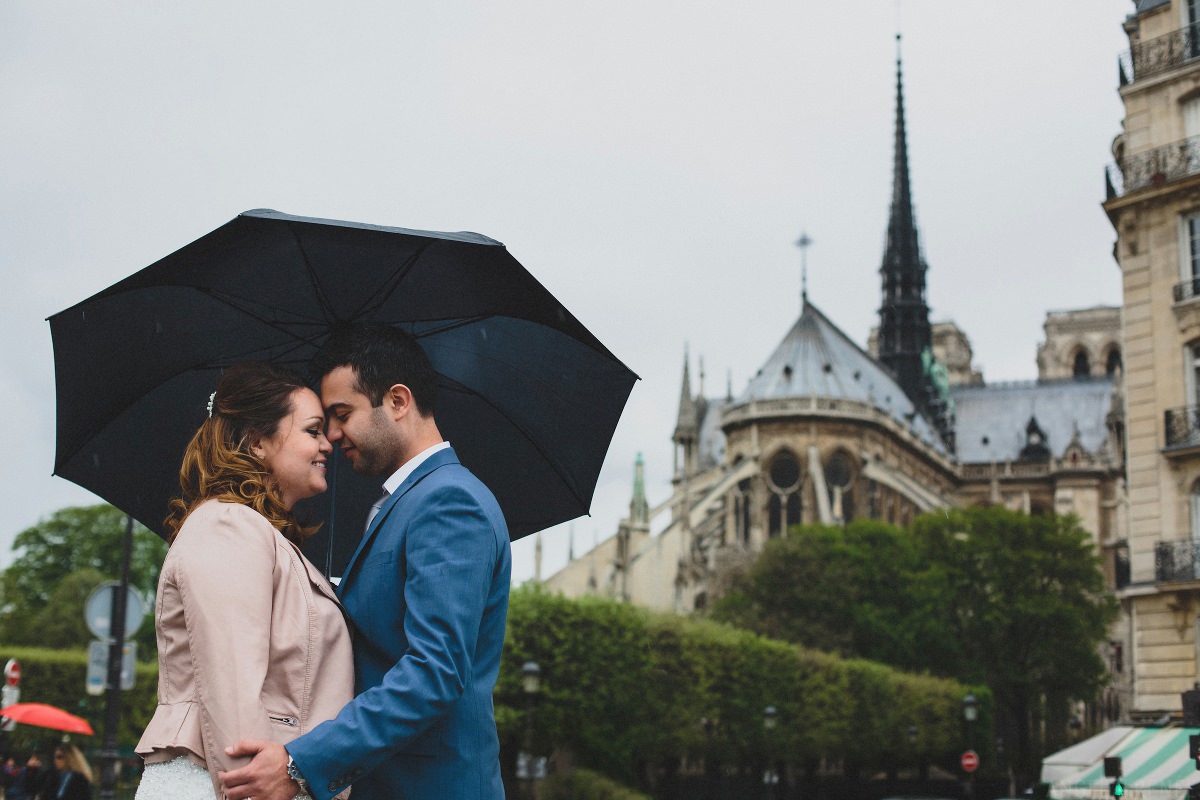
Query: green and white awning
(1154,761)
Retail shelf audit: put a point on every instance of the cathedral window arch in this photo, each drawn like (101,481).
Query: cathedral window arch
(783,506)
(840,476)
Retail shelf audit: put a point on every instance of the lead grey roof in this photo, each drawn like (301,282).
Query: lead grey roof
(990,420)
(816,359)
(1146,5)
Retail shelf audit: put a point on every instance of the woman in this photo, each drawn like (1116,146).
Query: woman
(252,643)
(72,778)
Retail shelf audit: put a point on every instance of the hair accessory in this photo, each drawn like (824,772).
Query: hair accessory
(211,397)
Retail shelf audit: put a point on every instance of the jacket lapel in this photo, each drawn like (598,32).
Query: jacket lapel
(438,459)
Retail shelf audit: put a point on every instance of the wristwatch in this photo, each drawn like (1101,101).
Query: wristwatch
(294,773)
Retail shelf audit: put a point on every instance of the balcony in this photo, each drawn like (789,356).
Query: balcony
(1182,426)
(1154,168)
(1159,55)
(1187,290)
(1175,562)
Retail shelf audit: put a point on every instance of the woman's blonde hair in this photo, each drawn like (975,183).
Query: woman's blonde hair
(251,399)
(75,761)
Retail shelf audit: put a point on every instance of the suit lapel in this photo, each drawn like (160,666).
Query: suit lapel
(438,459)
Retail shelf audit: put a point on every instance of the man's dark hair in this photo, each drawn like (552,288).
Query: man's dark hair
(381,356)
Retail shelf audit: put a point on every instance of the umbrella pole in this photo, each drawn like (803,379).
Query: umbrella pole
(332,521)
(116,649)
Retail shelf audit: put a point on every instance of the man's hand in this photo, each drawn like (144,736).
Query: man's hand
(264,778)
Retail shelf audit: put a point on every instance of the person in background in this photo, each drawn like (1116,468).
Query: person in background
(28,780)
(72,777)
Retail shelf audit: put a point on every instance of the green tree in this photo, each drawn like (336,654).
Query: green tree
(1023,599)
(983,595)
(59,562)
(849,591)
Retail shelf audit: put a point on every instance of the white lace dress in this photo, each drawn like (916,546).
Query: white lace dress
(180,779)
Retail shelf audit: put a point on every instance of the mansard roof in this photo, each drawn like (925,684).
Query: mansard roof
(991,420)
(816,359)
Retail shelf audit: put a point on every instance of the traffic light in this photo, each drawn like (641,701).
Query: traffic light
(1112,769)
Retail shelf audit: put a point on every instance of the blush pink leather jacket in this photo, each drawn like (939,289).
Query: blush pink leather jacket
(252,643)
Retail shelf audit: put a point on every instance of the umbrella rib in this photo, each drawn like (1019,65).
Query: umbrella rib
(558,470)
(318,289)
(377,300)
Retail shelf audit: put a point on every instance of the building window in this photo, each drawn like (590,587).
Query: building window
(785,471)
(1195,503)
(839,477)
(1113,363)
(1193,374)
(1082,367)
(1191,260)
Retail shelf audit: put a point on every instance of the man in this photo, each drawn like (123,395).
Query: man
(427,591)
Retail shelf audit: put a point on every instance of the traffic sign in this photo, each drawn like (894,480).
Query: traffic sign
(12,672)
(969,761)
(97,671)
(98,610)
(8,696)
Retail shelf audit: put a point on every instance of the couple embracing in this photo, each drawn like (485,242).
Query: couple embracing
(273,685)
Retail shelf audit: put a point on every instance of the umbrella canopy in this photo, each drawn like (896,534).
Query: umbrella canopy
(44,716)
(528,396)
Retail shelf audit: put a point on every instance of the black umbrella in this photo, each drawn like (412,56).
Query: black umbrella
(528,397)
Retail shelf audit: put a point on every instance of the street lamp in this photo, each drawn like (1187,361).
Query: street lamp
(970,708)
(770,777)
(531,684)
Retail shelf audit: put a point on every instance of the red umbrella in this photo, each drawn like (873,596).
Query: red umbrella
(45,716)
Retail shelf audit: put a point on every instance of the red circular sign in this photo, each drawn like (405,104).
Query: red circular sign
(969,761)
(12,672)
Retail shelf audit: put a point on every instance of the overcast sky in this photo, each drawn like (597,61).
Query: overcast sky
(651,162)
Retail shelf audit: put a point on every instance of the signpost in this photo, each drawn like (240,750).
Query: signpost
(97,671)
(98,610)
(11,692)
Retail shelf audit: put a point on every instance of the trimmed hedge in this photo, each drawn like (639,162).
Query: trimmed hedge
(583,784)
(58,678)
(624,689)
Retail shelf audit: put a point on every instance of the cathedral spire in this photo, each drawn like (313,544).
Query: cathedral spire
(685,425)
(905,335)
(639,509)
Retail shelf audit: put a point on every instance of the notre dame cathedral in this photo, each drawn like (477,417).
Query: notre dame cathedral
(829,431)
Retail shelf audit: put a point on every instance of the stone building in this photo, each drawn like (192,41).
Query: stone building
(829,431)
(1153,203)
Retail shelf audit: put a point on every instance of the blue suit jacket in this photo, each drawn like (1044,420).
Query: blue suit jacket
(427,590)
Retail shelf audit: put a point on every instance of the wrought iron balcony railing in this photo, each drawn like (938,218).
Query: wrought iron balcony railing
(1159,54)
(1154,167)
(1182,426)
(1176,561)
(1186,290)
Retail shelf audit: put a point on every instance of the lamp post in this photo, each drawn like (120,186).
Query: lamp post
(531,684)
(970,714)
(770,777)
(912,745)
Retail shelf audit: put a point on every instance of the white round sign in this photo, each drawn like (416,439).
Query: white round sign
(98,610)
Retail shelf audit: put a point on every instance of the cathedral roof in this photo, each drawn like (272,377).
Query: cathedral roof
(816,359)
(990,420)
